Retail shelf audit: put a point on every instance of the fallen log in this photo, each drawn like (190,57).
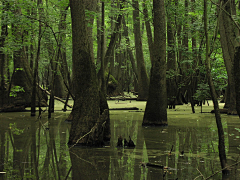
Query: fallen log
(153,165)
(225,111)
(126,108)
(55,97)
(12,108)
(122,98)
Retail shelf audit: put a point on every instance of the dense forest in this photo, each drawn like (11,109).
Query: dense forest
(167,52)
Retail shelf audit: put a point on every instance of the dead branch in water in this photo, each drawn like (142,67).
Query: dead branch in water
(216,172)
(55,97)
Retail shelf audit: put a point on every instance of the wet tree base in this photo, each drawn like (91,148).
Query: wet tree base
(226,111)
(155,124)
(127,108)
(153,165)
(85,145)
(12,108)
(141,99)
(121,98)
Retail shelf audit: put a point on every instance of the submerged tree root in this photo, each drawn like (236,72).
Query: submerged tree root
(95,135)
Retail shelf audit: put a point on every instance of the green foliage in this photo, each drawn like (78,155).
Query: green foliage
(202,92)
(14,129)
(219,72)
(171,74)
(16,89)
(111,79)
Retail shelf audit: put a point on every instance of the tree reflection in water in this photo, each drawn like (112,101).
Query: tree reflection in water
(37,149)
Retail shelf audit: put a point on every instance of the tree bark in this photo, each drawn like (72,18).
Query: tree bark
(156,107)
(237,78)
(102,82)
(88,125)
(172,89)
(228,34)
(143,80)
(4,33)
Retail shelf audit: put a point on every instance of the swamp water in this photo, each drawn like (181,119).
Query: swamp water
(37,149)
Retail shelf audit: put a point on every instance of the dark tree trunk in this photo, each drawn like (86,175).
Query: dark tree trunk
(90,5)
(228,33)
(4,33)
(88,125)
(237,78)
(102,81)
(156,108)
(172,89)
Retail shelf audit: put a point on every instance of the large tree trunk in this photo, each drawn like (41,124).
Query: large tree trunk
(228,33)
(156,108)
(4,33)
(88,126)
(90,5)
(237,78)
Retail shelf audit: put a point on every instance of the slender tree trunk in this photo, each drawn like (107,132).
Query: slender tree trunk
(194,39)
(63,58)
(148,29)
(102,82)
(221,145)
(185,38)
(112,43)
(99,33)
(172,89)
(35,74)
(130,54)
(156,108)
(143,80)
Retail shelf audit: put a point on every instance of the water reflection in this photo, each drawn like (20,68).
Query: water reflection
(89,163)
(37,149)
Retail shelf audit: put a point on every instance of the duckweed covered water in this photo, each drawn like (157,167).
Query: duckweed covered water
(32,148)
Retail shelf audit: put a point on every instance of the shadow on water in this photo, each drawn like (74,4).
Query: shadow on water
(187,147)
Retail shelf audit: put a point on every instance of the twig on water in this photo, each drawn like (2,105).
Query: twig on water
(201,175)
(216,171)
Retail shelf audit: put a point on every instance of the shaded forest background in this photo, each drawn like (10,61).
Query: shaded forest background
(167,52)
(36,48)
